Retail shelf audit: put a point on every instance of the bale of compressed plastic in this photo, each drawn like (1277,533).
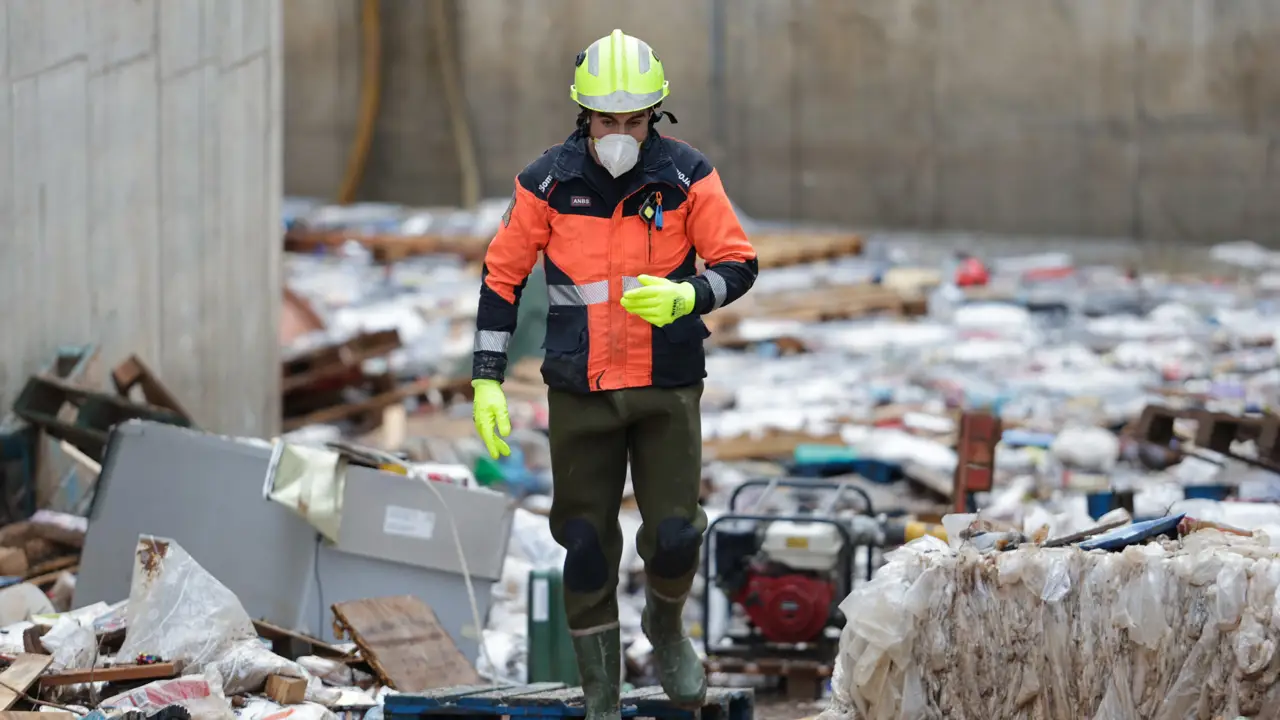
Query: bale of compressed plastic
(1171,629)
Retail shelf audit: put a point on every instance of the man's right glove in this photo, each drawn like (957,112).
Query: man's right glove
(489,410)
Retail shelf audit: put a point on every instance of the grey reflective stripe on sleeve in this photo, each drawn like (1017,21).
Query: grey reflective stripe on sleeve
(719,290)
(630,283)
(491,341)
(590,294)
(620,101)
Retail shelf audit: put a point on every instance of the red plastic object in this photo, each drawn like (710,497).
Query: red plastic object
(790,608)
(972,273)
(1049,273)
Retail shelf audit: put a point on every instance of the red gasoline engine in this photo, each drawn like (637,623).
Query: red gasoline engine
(786,575)
(789,607)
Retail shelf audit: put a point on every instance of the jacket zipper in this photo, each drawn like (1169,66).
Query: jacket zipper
(613,346)
(648,258)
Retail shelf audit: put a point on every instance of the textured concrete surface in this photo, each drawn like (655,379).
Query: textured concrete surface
(140,176)
(1152,119)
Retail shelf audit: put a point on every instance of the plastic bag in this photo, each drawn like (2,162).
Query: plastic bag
(260,709)
(179,612)
(1164,630)
(73,646)
(200,694)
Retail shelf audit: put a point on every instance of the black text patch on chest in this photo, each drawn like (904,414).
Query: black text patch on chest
(580,201)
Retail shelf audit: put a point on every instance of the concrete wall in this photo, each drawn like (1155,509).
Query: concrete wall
(1155,119)
(140,176)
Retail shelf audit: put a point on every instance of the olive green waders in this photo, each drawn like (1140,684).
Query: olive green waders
(592,437)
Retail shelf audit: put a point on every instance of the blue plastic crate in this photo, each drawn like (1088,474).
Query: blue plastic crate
(553,700)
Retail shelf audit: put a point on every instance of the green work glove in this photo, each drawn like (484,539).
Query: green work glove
(659,301)
(489,409)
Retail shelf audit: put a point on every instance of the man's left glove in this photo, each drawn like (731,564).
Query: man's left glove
(489,410)
(659,301)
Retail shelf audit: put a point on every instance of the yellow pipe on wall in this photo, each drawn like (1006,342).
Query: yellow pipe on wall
(451,75)
(370,99)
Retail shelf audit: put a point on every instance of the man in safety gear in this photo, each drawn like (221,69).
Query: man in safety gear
(620,215)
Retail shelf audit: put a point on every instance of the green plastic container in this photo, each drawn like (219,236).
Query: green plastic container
(551,656)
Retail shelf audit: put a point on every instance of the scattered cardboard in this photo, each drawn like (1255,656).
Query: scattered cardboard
(404,644)
(13,562)
(19,676)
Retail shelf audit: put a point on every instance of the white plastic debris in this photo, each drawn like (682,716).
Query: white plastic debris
(1154,631)
(201,695)
(73,646)
(21,601)
(180,612)
(1087,448)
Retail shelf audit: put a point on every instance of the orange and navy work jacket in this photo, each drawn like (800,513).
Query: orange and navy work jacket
(596,235)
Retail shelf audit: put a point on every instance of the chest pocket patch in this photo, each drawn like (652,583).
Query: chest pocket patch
(669,243)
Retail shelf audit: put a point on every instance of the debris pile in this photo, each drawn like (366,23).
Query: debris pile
(845,383)
(1185,624)
(181,640)
(852,361)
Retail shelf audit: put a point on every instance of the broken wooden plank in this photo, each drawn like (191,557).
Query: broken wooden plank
(770,445)
(337,360)
(134,373)
(62,563)
(275,634)
(119,673)
(31,640)
(297,319)
(784,249)
(51,577)
(1083,534)
(374,404)
(19,676)
(403,642)
(387,247)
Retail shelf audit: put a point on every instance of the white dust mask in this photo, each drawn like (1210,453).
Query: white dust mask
(618,153)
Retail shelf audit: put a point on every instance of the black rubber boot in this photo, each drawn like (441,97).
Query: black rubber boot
(679,668)
(600,667)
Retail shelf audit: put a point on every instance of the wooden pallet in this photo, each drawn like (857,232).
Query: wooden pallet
(803,678)
(368,409)
(307,368)
(1214,431)
(387,248)
(554,700)
(783,250)
(770,445)
(822,304)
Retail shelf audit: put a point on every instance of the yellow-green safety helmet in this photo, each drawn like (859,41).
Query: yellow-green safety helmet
(618,74)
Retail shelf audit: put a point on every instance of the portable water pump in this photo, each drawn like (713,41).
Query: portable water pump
(787,573)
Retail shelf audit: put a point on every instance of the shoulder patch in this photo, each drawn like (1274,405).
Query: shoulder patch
(690,164)
(506,214)
(537,176)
